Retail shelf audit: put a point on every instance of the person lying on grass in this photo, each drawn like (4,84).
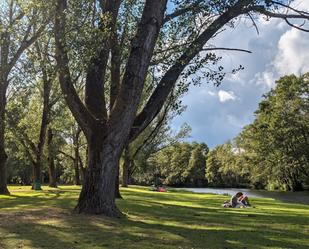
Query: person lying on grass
(239,200)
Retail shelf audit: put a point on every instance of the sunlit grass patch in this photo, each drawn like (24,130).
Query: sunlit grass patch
(172,220)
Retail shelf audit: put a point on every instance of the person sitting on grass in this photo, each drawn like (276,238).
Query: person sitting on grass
(235,200)
(239,200)
(244,200)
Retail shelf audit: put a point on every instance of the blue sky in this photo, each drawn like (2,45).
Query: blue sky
(217,114)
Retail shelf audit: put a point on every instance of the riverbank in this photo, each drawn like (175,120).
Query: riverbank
(301,197)
(171,220)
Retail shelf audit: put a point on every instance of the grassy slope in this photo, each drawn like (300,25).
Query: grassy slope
(153,220)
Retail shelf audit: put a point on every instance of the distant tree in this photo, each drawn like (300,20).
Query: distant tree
(145,168)
(180,164)
(275,143)
(213,175)
(195,173)
(225,167)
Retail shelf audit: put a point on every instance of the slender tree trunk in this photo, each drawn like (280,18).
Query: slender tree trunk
(126,168)
(52,174)
(44,123)
(82,174)
(76,157)
(117,186)
(51,162)
(3,157)
(82,169)
(98,192)
(3,181)
(131,171)
(37,176)
(76,166)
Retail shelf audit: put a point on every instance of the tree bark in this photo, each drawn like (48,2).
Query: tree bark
(3,156)
(76,156)
(117,186)
(98,192)
(51,162)
(82,169)
(126,168)
(76,167)
(37,173)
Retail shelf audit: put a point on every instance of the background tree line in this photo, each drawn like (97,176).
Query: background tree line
(272,151)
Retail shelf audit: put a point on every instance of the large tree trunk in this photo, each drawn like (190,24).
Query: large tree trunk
(51,161)
(126,168)
(98,192)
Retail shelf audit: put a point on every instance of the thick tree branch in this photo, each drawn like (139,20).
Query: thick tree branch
(47,84)
(80,112)
(170,78)
(136,69)
(95,79)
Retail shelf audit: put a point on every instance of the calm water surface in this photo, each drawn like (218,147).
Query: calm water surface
(298,197)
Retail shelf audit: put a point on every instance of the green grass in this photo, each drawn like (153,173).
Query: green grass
(175,220)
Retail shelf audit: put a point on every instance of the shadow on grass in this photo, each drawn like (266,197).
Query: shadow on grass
(155,220)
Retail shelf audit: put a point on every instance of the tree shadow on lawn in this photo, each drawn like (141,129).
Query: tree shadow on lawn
(154,220)
(153,225)
(39,199)
(66,230)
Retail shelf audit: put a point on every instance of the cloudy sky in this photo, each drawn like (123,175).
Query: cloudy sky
(217,114)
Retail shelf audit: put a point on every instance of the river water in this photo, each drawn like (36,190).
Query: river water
(295,197)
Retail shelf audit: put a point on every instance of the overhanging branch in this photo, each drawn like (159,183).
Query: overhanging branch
(228,49)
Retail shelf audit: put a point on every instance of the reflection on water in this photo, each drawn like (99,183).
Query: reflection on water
(298,197)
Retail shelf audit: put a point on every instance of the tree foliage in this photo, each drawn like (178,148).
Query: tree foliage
(271,152)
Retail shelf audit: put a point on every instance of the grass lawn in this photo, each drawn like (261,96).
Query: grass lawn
(176,220)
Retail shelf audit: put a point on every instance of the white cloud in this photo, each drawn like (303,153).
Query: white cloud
(293,53)
(266,78)
(211,93)
(226,96)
